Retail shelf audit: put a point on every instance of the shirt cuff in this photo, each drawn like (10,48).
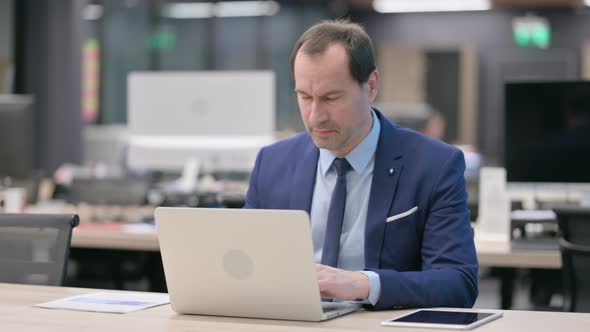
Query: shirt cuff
(375,290)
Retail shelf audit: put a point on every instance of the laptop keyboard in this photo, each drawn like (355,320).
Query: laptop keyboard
(330,306)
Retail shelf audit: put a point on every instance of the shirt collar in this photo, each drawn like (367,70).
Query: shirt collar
(360,156)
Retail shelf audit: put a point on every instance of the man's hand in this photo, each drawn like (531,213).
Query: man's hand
(342,284)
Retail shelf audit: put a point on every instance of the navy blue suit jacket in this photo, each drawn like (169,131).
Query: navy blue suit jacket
(426,259)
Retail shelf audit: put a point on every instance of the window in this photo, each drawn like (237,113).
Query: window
(142,35)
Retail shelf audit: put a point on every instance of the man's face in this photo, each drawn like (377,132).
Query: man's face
(334,106)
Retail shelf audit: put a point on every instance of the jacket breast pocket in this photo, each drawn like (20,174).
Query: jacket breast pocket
(402,215)
(400,245)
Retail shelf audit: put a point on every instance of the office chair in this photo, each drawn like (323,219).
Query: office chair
(34,248)
(574,244)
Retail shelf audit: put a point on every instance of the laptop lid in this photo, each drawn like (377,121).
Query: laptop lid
(239,262)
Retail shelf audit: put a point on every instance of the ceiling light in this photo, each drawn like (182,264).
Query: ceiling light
(246,8)
(406,6)
(188,10)
(220,9)
(92,12)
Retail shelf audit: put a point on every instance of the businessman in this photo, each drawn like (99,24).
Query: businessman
(388,206)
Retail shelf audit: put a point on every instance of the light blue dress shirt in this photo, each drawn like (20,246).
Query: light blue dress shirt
(358,186)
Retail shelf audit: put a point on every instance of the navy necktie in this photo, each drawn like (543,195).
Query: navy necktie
(335,215)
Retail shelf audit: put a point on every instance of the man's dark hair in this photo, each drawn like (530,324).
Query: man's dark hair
(352,36)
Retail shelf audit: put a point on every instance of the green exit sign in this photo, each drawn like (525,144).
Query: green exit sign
(531,31)
(161,41)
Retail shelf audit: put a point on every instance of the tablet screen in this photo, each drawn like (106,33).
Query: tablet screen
(443,317)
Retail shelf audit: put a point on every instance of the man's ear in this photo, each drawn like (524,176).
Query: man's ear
(373,85)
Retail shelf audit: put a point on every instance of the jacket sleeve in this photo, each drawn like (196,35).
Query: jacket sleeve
(448,275)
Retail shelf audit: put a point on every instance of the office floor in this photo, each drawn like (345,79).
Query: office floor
(489,290)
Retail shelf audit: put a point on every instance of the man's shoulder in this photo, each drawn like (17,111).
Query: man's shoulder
(415,142)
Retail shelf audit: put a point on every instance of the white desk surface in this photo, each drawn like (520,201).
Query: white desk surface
(17,314)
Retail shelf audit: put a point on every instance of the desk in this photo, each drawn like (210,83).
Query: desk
(16,314)
(143,238)
(130,252)
(509,260)
(539,259)
(122,237)
(116,236)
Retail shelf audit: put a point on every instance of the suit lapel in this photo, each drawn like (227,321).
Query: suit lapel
(303,184)
(386,173)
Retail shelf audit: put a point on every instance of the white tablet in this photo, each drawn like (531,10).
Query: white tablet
(444,319)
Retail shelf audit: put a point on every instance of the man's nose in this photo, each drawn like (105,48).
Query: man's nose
(318,113)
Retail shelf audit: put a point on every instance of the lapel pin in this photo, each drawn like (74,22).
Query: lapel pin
(391,171)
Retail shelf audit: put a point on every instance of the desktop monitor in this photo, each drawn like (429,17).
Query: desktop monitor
(547,126)
(16,136)
(219,118)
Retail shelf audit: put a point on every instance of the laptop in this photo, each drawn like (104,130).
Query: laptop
(242,263)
